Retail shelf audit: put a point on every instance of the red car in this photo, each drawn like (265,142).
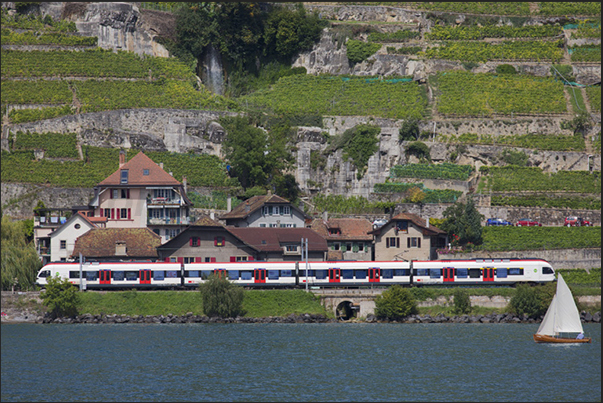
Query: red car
(574,221)
(526,222)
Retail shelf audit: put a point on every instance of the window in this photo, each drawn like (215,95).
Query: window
(348,246)
(413,242)
(402,226)
(387,273)
(241,258)
(547,270)
(475,273)
(435,273)
(123,213)
(125,193)
(462,273)
(515,271)
(194,241)
(336,246)
(63,244)
(263,225)
(77,226)
(273,225)
(145,172)
(124,176)
(107,212)
(291,248)
(334,231)
(501,273)
(219,241)
(392,242)
(115,193)
(273,275)
(286,210)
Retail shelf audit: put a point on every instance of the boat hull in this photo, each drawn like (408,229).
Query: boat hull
(542,338)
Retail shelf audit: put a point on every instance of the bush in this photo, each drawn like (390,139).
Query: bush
(221,297)
(395,303)
(505,69)
(61,297)
(462,302)
(532,301)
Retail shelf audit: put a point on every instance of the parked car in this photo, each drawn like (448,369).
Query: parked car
(497,221)
(526,222)
(574,221)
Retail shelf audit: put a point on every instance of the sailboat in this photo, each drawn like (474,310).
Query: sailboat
(561,319)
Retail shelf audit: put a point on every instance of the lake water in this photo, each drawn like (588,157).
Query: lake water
(295,362)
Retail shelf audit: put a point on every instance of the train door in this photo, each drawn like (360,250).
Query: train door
(259,275)
(374,274)
(220,273)
(488,274)
(104,276)
(448,273)
(334,275)
(145,276)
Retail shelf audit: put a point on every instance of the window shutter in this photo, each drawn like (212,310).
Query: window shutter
(180,260)
(113,214)
(129,213)
(127,193)
(397,242)
(250,258)
(419,242)
(100,211)
(212,259)
(387,242)
(167,259)
(233,258)
(190,241)
(197,259)
(110,193)
(408,242)
(215,241)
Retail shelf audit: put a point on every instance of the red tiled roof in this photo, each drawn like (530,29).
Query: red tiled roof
(206,221)
(136,166)
(351,228)
(273,239)
(252,204)
(100,242)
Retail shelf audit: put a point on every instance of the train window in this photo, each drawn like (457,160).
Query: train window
(205,274)
(360,274)
(435,273)
(246,275)
(421,272)
(131,275)
(117,275)
(321,274)
(158,275)
(462,273)
(191,273)
(547,270)
(171,273)
(272,274)
(233,274)
(501,273)
(92,275)
(303,273)
(347,274)
(515,271)
(387,273)
(45,273)
(402,272)
(74,274)
(286,273)
(475,273)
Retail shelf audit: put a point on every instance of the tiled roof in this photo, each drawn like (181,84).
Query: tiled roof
(206,221)
(254,203)
(417,221)
(100,242)
(351,228)
(273,239)
(136,166)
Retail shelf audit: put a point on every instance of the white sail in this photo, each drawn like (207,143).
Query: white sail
(562,315)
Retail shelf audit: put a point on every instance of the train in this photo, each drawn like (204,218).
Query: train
(260,274)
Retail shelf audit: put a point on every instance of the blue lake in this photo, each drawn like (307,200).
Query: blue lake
(295,362)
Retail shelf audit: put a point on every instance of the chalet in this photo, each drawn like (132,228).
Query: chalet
(62,239)
(269,211)
(407,237)
(347,238)
(141,194)
(127,244)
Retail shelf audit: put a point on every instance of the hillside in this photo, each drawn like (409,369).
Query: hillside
(412,104)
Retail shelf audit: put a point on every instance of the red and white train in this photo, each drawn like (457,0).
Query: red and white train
(120,275)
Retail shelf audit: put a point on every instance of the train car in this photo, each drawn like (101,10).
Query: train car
(248,274)
(355,273)
(106,275)
(484,272)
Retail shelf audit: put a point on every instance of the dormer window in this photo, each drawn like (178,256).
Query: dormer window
(124,176)
(334,231)
(145,172)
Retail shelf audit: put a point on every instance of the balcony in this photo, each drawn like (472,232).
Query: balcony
(162,201)
(168,221)
(48,221)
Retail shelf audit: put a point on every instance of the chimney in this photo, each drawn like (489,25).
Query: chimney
(122,158)
(247,208)
(212,215)
(120,248)
(161,165)
(184,183)
(228,204)
(427,222)
(171,173)
(325,216)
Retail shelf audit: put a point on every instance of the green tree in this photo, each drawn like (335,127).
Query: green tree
(395,303)
(61,297)
(463,223)
(221,297)
(526,301)
(19,259)
(462,302)
(409,130)
(419,150)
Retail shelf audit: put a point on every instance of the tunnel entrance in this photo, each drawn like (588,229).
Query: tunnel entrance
(346,310)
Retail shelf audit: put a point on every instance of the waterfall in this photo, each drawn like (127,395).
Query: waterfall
(212,71)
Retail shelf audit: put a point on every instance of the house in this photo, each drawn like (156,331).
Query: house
(206,240)
(141,194)
(270,211)
(347,238)
(62,239)
(127,244)
(407,237)
(282,244)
